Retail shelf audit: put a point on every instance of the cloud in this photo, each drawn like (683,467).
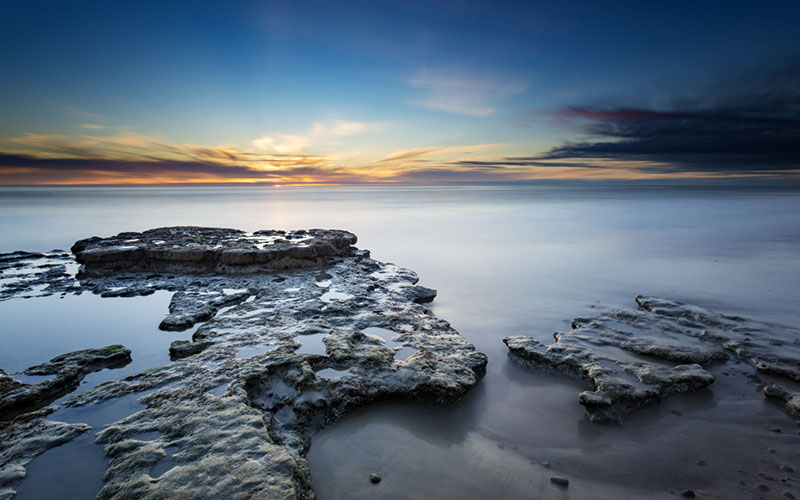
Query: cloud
(319,134)
(406,157)
(747,127)
(134,158)
(131,158)
(456,93)
(19,169)
(80,112)
(91,126)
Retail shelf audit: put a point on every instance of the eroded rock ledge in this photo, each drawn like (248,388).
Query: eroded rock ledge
(282,353)
(68,370)
(211,249)
(637,358)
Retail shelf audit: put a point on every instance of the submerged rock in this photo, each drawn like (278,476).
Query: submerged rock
(282,353)
(68,370)
(637,358)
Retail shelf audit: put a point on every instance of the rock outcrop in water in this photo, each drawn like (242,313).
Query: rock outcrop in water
(637,358)
(68,370)
(282,353)
(211,249)
(26,438)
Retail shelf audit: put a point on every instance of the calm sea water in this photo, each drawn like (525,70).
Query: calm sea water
(506,261)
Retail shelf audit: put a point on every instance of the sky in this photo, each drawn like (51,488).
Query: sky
(400,92)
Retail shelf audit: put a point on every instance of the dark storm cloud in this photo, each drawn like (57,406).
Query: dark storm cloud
(751,126)
(519,161)
(141,167)
(16,169)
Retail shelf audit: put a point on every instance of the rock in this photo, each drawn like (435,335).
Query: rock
(69,369)
(183,348)
(374,478)
(559,480)
(26,438)
(688,494)
(37,274)
(791,399)
(420,294)
(787,468)
(271,338)
(206,249)
(185,309)
(86,361)
(637,358)
(224,450)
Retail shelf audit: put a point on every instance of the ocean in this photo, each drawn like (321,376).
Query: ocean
(506,260)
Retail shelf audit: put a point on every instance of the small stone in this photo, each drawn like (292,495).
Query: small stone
(559,480)
(775,429)
(771,450)
(701,463)
(374,478)
(762,487)
(688,494)
(546,464)
(787,468)
(788,495)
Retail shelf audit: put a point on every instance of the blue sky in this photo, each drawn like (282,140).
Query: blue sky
(337,88)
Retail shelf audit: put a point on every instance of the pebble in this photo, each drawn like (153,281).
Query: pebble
(559,480)
(374,478)
(788,495)
(776,429)
(762,487)
(787,468)
(701,463)
(688,494)
(546,464)
(771,450)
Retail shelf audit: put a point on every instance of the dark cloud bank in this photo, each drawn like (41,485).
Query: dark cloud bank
(750,126)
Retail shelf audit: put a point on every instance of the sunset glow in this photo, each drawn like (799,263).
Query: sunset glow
(314,94)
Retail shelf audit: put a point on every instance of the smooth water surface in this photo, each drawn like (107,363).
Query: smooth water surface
(505,261)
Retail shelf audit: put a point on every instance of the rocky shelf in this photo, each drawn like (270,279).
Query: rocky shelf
(296,329)
(211,249)
(637,358)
